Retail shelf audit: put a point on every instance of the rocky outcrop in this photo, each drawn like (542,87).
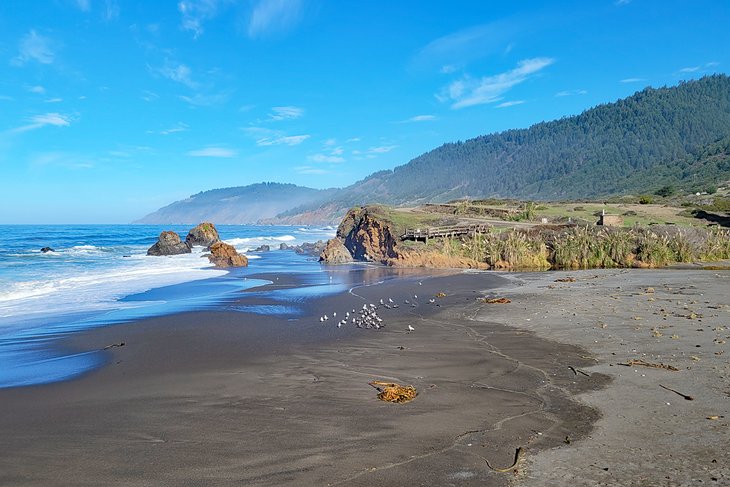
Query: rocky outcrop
(263,248)
(309,248)
(225,255)
(45,250)
(169,243)
(283,246)
(367,237)
(203,235)
(335,252)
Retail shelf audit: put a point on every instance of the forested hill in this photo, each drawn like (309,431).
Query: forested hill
(614,148)
(242,204)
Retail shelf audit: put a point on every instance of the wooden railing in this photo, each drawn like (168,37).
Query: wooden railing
(440,232)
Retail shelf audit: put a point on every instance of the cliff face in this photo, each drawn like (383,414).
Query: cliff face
(367,237)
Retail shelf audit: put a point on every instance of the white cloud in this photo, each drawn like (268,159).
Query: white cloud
(286,113)
(213,152)
(177,72)
(83,5)
(149,96)
(510,103)
(353,139)
(489,89)
(622,2)
(690,69)
(381,149)
(282,140)
(325,158)
(418,118)
(111,10)
(54,100)
(206,100)
(273,16)
(632,80)
(195,12)
(712,64)
(34,47)
(180,127)
(570,93)
(330,142)
(311,170)
(40,121)
(36,89)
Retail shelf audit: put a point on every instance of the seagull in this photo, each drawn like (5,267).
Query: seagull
(431,300)
(334,315)
(326,317)
(415,296)
(381,301)
(321,318)
(390,300)
(410,328)
(406,301)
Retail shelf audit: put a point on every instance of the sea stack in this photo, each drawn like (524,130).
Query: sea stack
(203,235)
(169,243)
(225,255)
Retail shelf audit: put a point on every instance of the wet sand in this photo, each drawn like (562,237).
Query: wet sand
(647,435)
(222,397)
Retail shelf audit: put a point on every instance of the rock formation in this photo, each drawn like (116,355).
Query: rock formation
(45,250)
(335,252)
(283,246)
(262,248)
(225,255)
(204,235)
(169,244)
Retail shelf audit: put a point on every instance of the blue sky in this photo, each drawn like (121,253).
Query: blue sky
(110,109)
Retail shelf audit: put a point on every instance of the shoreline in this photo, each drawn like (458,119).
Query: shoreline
(218,396)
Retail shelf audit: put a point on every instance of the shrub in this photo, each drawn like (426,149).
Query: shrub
(645,200)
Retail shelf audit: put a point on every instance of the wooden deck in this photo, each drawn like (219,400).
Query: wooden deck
(441,232)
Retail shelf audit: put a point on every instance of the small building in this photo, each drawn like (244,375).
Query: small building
(610,220)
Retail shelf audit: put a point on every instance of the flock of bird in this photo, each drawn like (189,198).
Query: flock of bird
(367,316)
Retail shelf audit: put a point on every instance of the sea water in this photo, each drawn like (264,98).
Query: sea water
(98,275)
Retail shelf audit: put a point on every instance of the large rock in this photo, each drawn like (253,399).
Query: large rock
(224,255)
(169,243)
(204,235)
(368,237)
(335,252)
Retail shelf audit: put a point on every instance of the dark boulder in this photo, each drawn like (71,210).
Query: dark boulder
(335,252)
(225,255)
(45,250)
(169,244)
(263,248)
(203,235)
(283,246)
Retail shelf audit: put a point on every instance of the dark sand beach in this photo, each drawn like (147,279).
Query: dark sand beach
(238,398)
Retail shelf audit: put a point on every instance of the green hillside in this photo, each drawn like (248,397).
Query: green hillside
(659,136)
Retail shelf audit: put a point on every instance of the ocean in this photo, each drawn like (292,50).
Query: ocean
(99,275)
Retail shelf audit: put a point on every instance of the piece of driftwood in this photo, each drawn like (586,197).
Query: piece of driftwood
(643,363)
(497,300)
(687,397)
(121,344)
(518,452)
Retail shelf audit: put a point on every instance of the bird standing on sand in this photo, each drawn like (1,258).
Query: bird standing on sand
(410,328)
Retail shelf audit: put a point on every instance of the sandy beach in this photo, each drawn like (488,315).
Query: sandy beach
(223,397)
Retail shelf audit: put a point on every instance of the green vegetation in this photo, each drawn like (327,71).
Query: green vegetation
(593,247)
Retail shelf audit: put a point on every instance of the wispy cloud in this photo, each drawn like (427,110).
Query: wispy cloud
(467,91)
(690,69)
(195,12)
(452,52)
(325,158)
(274,16)
(180,127)
(213,152)
(178,72)
(60,159)
(46,119)
(381,149)
(282,140)
(286,113)
(83,5)
(510,103)
(622,2)
(111,10)
(632,80)
(149,95)
(570,93)
(53,100)
(266,137)
(34,47)
(206,100)
(311,170)
(418,118)
(36,89)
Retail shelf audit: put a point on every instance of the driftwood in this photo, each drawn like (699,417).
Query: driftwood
(497,300)
(687,397)
(518,452)
(643,363)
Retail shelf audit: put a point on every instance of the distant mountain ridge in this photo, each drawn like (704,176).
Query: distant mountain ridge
(658,136)
(237,205)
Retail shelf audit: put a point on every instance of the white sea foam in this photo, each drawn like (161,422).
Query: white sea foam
(100,288)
